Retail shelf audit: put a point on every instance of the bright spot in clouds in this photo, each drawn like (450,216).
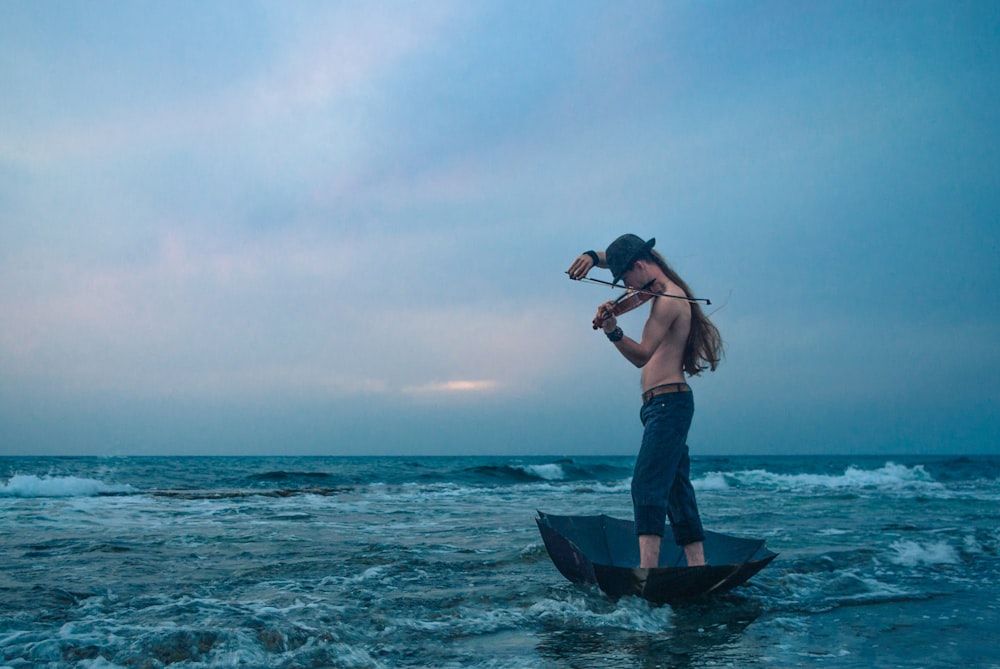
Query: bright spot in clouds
(452,387)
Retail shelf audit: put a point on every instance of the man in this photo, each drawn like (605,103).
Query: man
(676,339)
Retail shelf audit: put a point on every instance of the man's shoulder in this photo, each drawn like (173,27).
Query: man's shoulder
(669,304)
(674,316)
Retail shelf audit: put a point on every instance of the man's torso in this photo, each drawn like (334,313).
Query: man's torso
(665,365)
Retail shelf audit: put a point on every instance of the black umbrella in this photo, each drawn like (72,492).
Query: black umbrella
(604,551)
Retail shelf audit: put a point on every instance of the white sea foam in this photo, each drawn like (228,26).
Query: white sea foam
(890,475)
(548,472)
(911,554)
(972,545)
(630,613)
(58,486)
(711,481)
(851,586)
(611,488)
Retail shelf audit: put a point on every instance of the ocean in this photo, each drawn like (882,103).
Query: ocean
(436,562)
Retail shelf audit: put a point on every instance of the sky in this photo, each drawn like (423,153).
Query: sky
(342,228)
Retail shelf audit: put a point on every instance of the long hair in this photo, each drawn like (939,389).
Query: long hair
(704,343)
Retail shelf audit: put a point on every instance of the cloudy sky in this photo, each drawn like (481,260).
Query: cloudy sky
(342,227)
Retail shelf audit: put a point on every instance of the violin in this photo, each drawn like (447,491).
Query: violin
(625,303)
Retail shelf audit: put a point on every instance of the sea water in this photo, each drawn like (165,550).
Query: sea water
(436,562)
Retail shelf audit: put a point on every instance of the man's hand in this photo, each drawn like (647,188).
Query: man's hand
(605,317)
(580,266)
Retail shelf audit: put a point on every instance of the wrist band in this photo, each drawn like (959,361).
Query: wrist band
(615,335)
(593,256)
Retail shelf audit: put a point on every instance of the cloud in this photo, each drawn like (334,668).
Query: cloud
(290,313)
(456,386)
(351,201)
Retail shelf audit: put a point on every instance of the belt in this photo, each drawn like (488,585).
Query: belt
(664,389)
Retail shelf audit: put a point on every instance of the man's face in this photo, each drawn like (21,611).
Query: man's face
(634,276)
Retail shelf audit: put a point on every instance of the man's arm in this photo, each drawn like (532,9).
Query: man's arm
(662,315)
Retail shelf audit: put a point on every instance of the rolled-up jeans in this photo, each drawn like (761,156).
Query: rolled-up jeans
(661,483)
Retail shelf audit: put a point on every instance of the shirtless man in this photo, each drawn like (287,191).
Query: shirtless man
(676,340)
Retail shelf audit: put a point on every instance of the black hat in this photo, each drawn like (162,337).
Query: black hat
(623,252)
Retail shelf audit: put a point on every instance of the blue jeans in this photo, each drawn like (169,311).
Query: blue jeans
(661,483)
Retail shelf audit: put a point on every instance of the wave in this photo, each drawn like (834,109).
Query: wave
(912,554)
(630,613)
(610,473)
(711,481)
(22,485)
(519,473)
(31,486)
(292,479)
(889,476)
(244,493)
(539,472)
(547,472)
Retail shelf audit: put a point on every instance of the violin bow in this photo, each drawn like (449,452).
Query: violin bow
(644,290)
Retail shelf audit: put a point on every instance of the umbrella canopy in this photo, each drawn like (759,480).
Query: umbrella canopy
(604,551)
